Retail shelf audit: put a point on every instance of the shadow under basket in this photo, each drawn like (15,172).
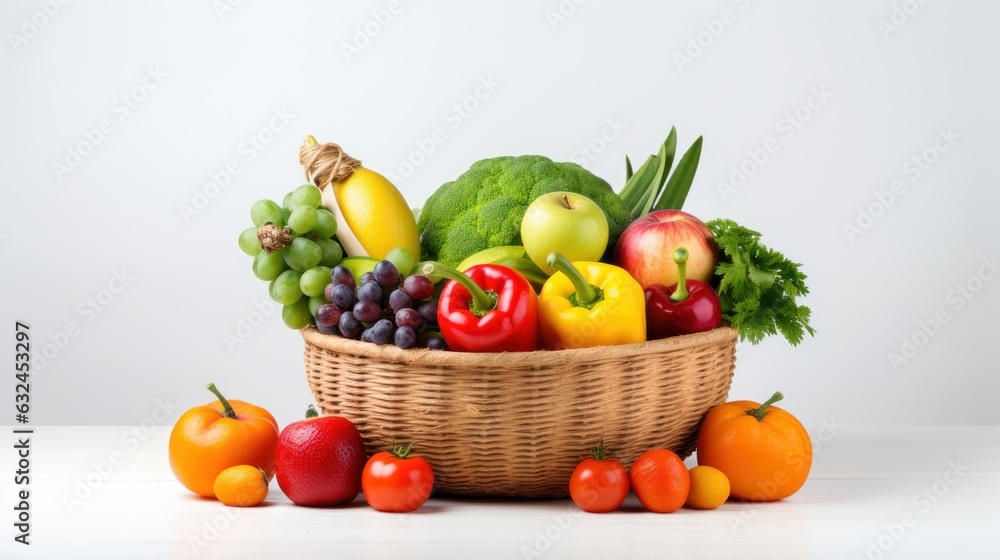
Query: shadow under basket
(516,424)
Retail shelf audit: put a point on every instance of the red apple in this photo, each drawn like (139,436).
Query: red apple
(646,247)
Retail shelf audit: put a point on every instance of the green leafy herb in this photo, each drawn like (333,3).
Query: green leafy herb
(758,286)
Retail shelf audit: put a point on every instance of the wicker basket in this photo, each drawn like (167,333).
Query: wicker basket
(516,424)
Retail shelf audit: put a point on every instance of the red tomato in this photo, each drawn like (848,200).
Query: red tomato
(599,484)
(394,481)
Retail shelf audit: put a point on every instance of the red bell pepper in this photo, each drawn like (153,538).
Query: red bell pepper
(689,306)
(490,308)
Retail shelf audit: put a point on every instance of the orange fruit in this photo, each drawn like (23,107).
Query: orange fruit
(764,450)
(709,488)
(241,486)
(660,480)
(218,435)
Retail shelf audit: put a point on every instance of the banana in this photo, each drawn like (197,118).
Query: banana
(491,255)
(527,268)
(511,256)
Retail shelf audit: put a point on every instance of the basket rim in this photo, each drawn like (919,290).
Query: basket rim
(421,356)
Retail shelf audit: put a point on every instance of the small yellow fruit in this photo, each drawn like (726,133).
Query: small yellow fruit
(709,488)
(373,218)
(241,486)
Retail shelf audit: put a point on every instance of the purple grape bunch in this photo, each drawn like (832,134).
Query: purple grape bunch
(381,307)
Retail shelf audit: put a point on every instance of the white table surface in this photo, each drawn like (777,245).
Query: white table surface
(865,483)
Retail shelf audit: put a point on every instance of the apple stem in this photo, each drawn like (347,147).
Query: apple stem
(587,295)
(681,293)
(227,409)
(482,301)
(565,201)
(758,412)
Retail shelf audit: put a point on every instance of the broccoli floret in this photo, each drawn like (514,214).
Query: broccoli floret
(484,206)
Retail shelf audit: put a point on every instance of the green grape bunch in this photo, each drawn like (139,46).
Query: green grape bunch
(294,248)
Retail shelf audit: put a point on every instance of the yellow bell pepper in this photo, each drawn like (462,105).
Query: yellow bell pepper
(588,304)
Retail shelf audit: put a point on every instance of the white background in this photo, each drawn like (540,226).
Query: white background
(559,80)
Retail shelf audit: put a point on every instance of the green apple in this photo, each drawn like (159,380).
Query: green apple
(567,223)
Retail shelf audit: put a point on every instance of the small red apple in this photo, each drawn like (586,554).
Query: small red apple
(646,247)
(319,460)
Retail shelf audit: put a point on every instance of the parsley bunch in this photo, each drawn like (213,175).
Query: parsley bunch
(758,286)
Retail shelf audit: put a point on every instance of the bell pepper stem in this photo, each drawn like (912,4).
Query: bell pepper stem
(227,409)
(758,412)
(585,292)
(311,412)
(680,257)
(482,301)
